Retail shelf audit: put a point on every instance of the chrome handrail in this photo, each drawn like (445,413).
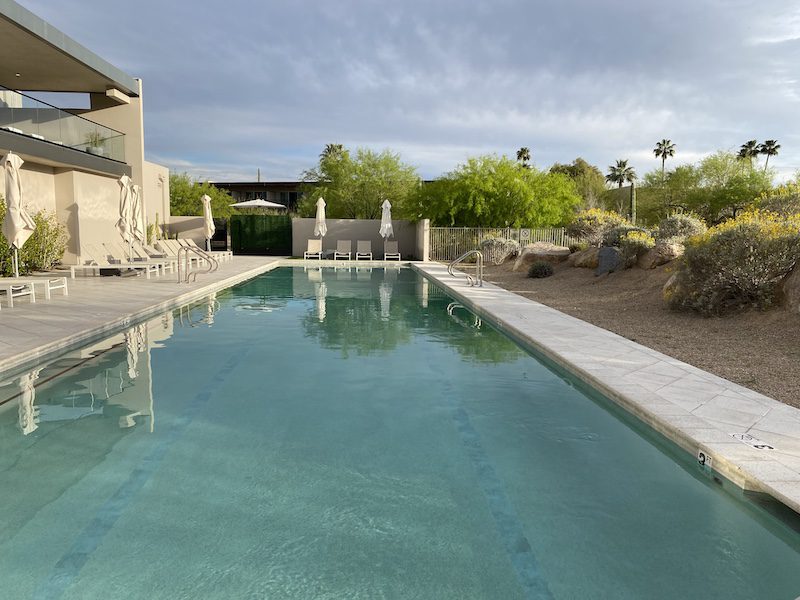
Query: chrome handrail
(213,264)
(478,271)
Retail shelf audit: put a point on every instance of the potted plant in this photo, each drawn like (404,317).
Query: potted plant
(95,142)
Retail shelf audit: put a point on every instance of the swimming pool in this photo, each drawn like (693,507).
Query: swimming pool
(353,434)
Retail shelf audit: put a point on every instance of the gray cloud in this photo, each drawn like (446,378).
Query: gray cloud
(230,87)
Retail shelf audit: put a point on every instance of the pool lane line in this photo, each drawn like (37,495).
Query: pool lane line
(70,564)
(507,523)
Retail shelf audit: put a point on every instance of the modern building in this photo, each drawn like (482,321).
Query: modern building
(73,158)
(283,192)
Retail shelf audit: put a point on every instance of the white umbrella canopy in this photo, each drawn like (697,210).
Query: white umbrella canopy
(137,214)
(386,230)
(257,203)
(208,220)
(125,223)
(320,227)
(18,225)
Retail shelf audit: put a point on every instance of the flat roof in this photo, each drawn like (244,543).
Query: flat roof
(48,60)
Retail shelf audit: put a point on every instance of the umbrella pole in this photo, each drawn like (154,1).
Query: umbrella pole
(15,260)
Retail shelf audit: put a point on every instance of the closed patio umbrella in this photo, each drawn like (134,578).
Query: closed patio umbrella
(320,227)
(124,224)
(137,214)
(386,230)
(208,220)
(18,225)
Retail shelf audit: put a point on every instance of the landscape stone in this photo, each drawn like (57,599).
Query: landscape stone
(661,254)
(585,259)
(790,289)
(609,259)
(541,251)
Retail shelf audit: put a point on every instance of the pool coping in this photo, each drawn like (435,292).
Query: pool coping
(687,405)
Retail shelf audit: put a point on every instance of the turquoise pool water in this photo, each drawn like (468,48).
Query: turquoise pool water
(344,434)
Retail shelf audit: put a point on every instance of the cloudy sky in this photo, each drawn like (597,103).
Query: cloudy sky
(233,86)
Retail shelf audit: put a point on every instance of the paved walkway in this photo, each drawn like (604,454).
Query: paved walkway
(751,439)
(99,305)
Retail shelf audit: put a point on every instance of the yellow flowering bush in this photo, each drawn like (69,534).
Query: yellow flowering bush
(591,225)
(636,242)
(737,264)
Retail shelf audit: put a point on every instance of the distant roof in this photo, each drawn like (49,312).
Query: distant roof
(254,183)
(47,60)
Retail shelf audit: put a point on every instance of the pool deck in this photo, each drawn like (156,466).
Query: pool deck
(97,306)
(699,411)
(695,409)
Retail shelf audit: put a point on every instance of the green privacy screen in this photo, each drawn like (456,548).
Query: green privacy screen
(261,234)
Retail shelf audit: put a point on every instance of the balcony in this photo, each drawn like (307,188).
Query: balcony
(25,115)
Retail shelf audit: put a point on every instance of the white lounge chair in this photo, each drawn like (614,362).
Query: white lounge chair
(26,286)
(173,249)
(364,250)
(314,249)
(98,261)
(344,249)
(390,250)
(117,253)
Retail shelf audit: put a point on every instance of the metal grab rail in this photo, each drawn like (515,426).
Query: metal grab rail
(450,311)
(213,264)
(478,271)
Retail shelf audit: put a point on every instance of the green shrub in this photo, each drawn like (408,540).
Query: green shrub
(613,236)
(678,227)
(737,264)
(43,249)
(540,269)
(578,247)
(591,225)
(635,243)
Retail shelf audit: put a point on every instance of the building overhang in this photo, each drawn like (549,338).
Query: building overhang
(39,57)
(54,155)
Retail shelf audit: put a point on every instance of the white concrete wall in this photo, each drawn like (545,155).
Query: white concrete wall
(188,227)
(354,229)
(155,187)
(38,187)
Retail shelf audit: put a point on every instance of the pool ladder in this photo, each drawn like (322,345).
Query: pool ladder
(478,279)
(451,311)
(186,273)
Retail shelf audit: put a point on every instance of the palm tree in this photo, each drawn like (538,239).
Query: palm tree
(620,173)
(749,150)
(664,149)
(332,150)
(770,148)
(524,156)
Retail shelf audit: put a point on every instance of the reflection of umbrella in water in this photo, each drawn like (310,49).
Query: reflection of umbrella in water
(132,350)
(321,291)
(211,308)
(385,293)
(28,413)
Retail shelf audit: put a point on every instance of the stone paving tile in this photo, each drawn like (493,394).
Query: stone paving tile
(695,408)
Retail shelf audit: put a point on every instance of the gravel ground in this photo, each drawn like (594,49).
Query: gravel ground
(759,350)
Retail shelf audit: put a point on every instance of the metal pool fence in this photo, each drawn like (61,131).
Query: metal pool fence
(448,243)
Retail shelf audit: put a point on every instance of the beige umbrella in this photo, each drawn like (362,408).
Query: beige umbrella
(124,224)
(320,227)
(28,413)
(386,230)
(18,225)
(137,214)
(208,220)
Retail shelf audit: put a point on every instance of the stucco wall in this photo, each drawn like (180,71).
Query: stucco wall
(405,233)
(38,187)
(155,186)
(188,227)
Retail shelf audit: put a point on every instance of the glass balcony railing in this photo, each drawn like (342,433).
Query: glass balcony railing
(22,114)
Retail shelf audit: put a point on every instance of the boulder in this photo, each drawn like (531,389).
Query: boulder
(541,251)
(585,259)
(609,259)
(660,254)
(790,288)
